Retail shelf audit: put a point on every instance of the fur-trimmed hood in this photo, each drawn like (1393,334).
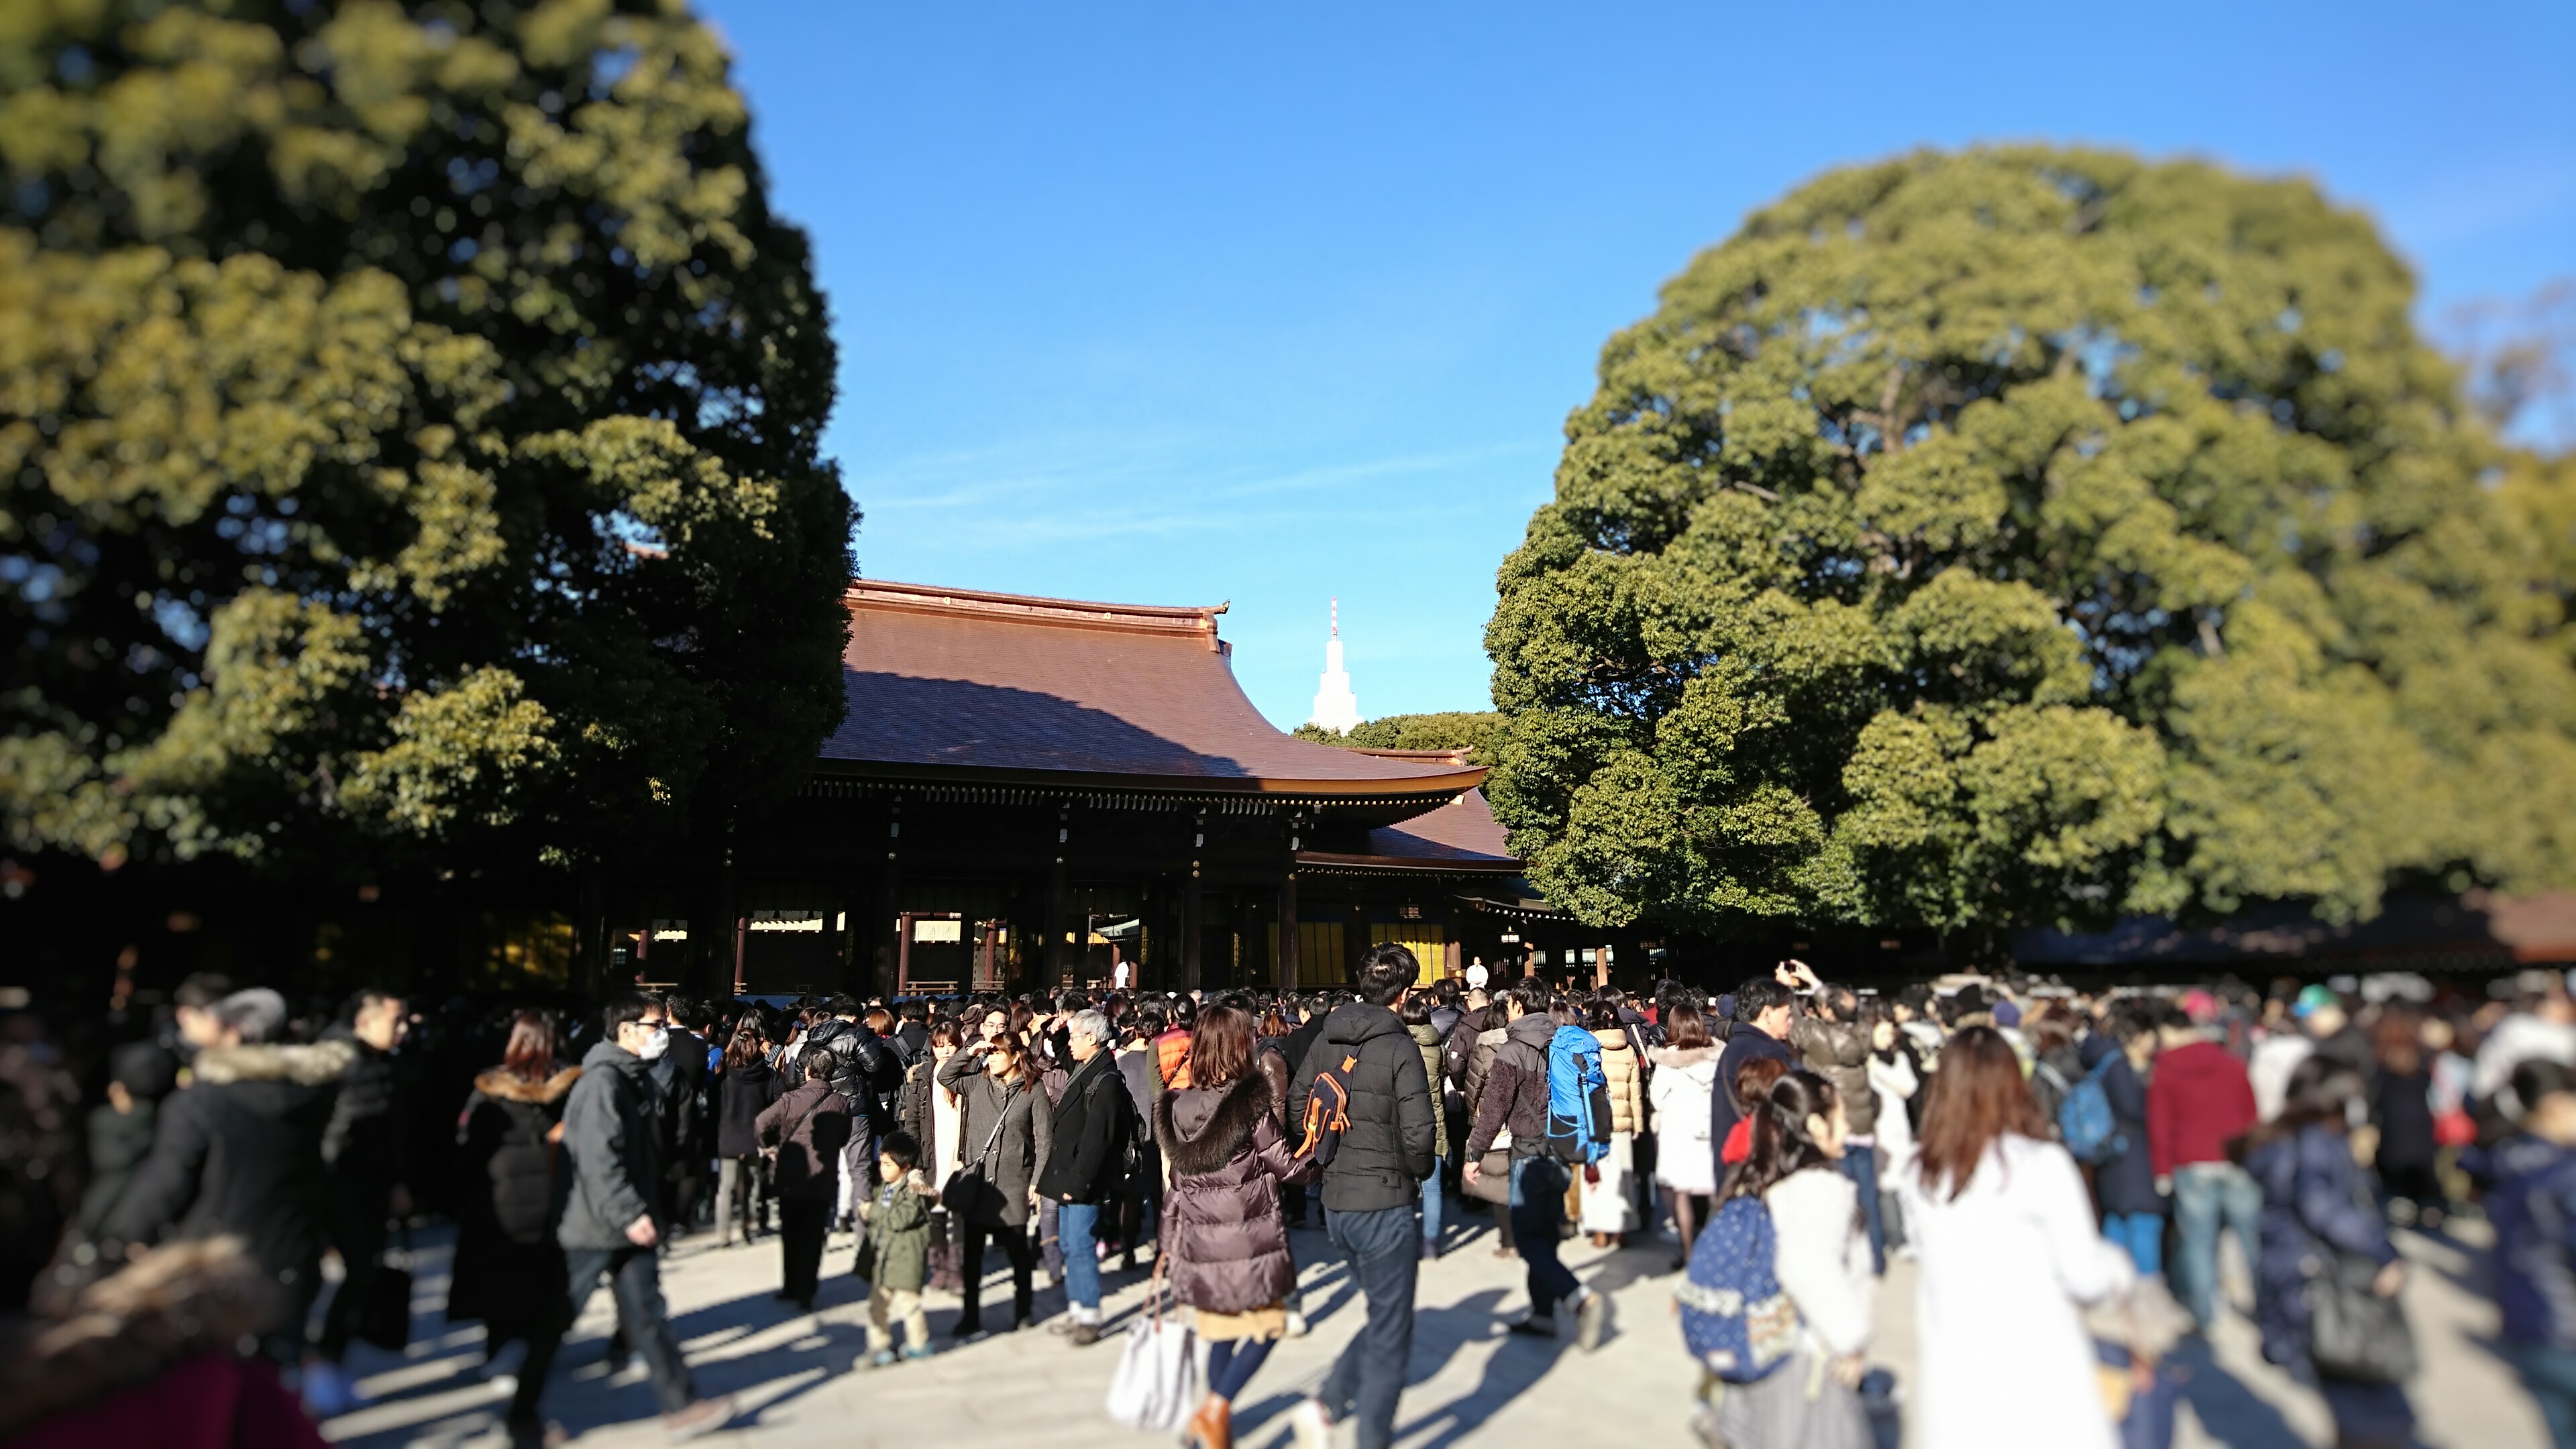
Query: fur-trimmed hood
(306,1066)
(1201,1129)
(1684,1058)
(503,1086)
(177,1303)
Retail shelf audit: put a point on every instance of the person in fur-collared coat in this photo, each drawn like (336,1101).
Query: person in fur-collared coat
(1224,1237)
(509,1269)
(151,1357)
(239,1152)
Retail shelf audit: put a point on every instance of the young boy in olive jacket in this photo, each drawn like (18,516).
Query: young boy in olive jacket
(898,1227)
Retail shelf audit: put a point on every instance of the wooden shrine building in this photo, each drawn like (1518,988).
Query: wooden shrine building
(1028,792)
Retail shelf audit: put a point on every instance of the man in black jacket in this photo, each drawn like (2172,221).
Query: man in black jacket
(238,1152)
(1369,1191)
(362,1152)
(1764,1014)
(860,1063)
(1094,1121)
(612,1154)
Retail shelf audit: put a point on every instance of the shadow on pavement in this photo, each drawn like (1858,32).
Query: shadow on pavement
(2231,1413)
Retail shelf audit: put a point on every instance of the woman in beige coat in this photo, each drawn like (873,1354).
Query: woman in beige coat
(1610,1205)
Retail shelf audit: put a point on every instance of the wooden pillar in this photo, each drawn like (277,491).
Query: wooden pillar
(1193,909)
(1288,931)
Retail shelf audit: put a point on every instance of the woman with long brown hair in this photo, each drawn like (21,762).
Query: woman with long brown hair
(1821,1258)
(509,1270)
(1224,1234)
(1005,1129)
(2006,1250)
(1685,1160)
(745,1086)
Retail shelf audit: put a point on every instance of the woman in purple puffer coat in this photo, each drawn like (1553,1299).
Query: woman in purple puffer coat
(1224,1239)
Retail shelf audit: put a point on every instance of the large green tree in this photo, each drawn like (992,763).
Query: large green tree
(1469,730)
(408,421)
(2025,535)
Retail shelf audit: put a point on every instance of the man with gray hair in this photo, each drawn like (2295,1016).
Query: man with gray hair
(1095,1121)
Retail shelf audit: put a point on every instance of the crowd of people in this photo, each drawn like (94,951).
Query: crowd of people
(2050,1160)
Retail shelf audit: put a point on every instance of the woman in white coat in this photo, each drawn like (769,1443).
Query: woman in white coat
(1685,1162)
(2006,1250)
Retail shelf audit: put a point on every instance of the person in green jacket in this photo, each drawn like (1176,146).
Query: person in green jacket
(898,1227)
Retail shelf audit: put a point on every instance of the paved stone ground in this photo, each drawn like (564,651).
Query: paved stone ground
(1469,1383)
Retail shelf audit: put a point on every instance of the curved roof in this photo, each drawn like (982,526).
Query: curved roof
(1461,836)
(959,685)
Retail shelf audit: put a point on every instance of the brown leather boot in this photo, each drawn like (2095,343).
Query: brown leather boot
(1212,1427)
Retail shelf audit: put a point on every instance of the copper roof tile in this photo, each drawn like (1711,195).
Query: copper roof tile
(959,683)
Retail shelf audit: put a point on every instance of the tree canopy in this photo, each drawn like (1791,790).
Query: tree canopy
(1470,730)
(408,422)
(2026,535)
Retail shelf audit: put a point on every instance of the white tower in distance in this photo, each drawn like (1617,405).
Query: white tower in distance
(1336,708)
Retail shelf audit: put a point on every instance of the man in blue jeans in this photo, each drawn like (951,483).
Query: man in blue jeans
(1516,1101)
(1369,1190)
(1093,1123)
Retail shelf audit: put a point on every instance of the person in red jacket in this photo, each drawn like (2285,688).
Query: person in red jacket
(2200,1098)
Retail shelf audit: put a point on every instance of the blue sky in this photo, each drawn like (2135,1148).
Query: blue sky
(1189,303)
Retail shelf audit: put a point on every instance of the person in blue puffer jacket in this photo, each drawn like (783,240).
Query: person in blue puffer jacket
(2316,1204)
(2531,1201)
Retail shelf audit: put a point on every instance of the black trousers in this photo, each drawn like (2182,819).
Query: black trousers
(1024,1265)
(358,1212)
(803,1223)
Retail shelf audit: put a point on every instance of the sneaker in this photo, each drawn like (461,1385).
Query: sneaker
(1534,1327)
(703,1417)
(1310,1426)
(1296,1324)
(328,1393)
(1590,1318)
(917,1351)
(882,1358)
(1061,1324)
(1083,1335)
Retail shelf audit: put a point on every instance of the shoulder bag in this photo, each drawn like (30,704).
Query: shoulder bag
(2355,1335)
(958,1193)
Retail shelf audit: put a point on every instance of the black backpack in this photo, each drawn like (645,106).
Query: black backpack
(1328,1109)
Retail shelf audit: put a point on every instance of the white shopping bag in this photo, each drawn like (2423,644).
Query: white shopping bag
(1157,1383)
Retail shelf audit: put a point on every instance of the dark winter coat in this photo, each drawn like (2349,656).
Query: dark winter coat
(1014,1156)
(1387,1150)
(2532,1205)
(1741,1047)
(2125,1182)
(809,1126)
(363,1145)
(2314,1204)
(1094,1122)
(1222,1230)
(2401,1103)
(861,1065)
(742,1094)
(913,1108)
(1838,1051)
(509,1269)
(240,1152)
(612,1149)
(118,1144)
(1515,1097)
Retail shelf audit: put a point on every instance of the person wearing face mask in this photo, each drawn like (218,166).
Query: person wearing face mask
(612,1146)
